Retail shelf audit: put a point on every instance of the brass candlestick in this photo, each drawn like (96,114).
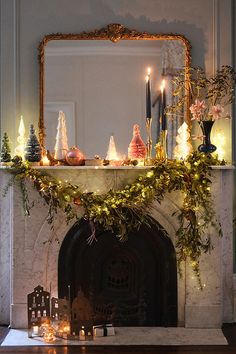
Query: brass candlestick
(161,147)
(148,160)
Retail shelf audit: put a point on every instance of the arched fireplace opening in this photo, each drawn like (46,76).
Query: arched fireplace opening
(133,283)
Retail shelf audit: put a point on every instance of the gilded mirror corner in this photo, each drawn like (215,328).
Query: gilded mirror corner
(103,40)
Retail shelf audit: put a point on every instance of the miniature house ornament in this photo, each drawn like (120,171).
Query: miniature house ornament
(38,304)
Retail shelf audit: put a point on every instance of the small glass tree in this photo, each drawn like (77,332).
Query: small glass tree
(33,151)
(5,150)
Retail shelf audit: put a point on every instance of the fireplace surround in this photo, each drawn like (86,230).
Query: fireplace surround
(27,259)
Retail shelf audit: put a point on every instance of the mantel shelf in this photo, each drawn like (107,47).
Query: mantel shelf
(55,168)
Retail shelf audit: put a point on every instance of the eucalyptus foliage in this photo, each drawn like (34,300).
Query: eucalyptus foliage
(124,210)
(217,89)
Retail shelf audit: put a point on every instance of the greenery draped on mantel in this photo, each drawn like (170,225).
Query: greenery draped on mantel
(124,210)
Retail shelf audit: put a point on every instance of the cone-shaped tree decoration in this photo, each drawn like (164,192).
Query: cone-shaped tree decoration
(61,146)
(20,149)
(5,150)
(183,147)
(137,148)
(111,152)
(33,151)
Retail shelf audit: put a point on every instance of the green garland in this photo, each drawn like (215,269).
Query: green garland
(125,210)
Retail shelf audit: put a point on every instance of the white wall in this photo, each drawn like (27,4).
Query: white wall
(206,23)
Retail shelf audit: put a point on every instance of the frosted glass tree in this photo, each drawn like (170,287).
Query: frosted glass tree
(183,147)
(20,149)
(111,152)
(61,146)
(33,151)
(5,150)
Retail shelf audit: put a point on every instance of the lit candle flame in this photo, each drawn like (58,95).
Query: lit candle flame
(149,71)
(163,84)
(45,161)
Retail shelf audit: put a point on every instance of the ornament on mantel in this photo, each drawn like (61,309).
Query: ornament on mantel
(20,149)
(61,146)
(137,148)
(33,150)
(5,150)
(183,147)
(38,304)
(75,157)
(111,152)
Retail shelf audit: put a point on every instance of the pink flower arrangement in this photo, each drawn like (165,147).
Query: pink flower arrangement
(201,112)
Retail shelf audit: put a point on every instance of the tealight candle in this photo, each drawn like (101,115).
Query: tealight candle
(45,161)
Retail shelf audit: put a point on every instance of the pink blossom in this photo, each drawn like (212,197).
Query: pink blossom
(216,112)
(197,109)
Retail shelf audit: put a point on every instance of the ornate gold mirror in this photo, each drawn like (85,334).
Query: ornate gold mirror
(98,80)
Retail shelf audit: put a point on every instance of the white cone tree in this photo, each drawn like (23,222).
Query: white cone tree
(61,146)
(111,152)
(20,149)
(183,147)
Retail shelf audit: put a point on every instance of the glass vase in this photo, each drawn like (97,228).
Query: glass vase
(206,146)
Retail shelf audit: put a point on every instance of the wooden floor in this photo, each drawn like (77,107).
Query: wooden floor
(229,332)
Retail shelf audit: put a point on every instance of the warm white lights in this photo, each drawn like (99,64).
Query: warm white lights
(219,141)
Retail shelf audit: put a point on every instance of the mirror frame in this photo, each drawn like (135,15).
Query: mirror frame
(113,32)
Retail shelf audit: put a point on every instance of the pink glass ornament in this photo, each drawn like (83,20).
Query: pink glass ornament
(75,157)
(137,148)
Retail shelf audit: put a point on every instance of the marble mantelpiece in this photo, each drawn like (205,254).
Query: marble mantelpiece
(26,260)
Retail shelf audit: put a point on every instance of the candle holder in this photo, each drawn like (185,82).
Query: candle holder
(148,159)
(161,147)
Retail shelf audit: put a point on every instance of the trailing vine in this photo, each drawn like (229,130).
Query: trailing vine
(124,210)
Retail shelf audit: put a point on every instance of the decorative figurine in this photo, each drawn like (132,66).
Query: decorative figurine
(61,146)
(137,148)
(33,151)
(74,157)
(5,150)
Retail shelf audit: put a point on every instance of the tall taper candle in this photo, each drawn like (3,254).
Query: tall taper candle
(163,106)
(148,95)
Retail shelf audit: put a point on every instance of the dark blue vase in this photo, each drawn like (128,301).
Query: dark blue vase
(206,145)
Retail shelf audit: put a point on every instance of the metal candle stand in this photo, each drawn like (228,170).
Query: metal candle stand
(163,145)
(148,160)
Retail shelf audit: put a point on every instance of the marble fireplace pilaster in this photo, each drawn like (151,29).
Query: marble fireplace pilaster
(28,260)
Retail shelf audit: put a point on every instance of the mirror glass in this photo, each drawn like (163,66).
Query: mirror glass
(101,88)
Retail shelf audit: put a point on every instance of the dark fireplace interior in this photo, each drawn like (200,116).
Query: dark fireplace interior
(133,283)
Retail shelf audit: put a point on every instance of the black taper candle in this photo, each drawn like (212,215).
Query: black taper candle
(148,97)
(163,107)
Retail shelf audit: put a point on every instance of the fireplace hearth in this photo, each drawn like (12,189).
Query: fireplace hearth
(133,283)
